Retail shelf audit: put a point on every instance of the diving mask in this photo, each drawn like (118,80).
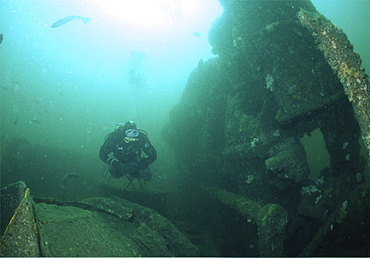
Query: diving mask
(132,133)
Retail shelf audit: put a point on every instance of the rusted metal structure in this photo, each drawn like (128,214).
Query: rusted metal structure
(282,71)
(97,226)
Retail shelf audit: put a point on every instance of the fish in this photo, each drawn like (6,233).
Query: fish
(1,38)
(66,181)
(67,19)
(34,121)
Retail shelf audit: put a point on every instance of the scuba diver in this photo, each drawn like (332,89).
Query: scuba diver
(122,151)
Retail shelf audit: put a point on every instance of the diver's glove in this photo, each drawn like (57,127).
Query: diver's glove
(121,169)
(113,162)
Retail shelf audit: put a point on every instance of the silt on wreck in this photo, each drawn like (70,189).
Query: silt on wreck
(282,71)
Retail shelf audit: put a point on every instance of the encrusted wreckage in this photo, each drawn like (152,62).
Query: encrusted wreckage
(338,52)
(97,226)
(279,75)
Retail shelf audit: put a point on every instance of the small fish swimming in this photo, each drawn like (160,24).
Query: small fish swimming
(67,19)
(1,38)
(196,34)
(67,180)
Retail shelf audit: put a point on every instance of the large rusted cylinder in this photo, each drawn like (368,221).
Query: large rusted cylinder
(271,219)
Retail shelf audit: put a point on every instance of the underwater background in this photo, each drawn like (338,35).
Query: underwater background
(64,89)
(67,87)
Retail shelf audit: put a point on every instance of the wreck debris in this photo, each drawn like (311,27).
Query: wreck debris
(21,235)
(96,226)
(335,217)
(289,163)
(274,84)
(271,219)
(338,51)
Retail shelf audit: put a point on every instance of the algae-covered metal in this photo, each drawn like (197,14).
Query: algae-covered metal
(338,51)
(20,238)
(271,219)
(272,84)
(91,227)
